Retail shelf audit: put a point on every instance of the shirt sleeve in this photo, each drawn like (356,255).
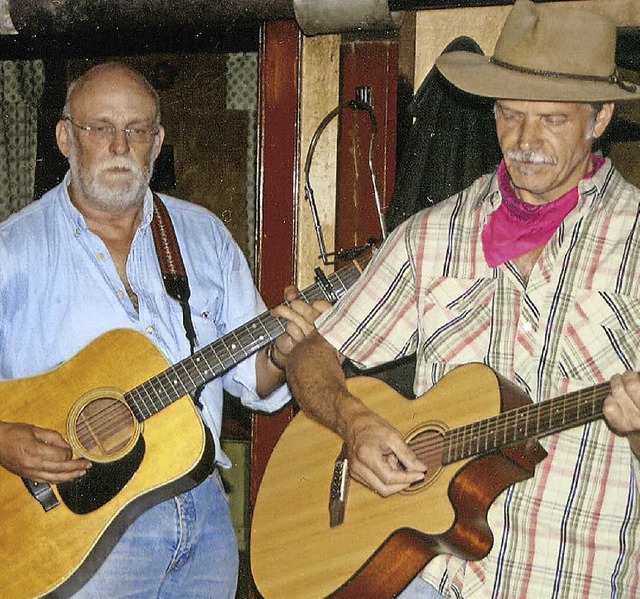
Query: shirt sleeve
(242,303)
(381,302)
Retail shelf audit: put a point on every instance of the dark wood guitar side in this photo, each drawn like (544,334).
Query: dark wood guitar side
(475,431)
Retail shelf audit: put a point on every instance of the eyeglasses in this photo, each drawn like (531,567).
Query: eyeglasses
(106,133)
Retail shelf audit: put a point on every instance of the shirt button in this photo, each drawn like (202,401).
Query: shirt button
(527,326)
(101,257)
(120,294)
(150,330)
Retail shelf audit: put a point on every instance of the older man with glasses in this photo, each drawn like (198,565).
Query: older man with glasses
(82,261)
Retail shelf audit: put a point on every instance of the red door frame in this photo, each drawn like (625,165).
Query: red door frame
(277,190)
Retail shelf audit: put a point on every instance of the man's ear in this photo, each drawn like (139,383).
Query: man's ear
(157,143)
(62,137)
(603,118)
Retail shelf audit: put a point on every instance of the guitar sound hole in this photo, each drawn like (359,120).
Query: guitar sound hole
(427,444)
(104,426)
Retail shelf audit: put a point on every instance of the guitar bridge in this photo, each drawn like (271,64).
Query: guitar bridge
(339,489)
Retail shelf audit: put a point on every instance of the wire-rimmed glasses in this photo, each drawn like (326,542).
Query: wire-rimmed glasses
(137,134)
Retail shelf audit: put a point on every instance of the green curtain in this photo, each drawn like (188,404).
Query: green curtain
(21,86)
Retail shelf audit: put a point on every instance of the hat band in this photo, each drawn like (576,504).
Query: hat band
(614,79)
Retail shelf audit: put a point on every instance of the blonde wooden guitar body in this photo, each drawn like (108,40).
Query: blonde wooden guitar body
(383,542)
(119,404)
(42,551)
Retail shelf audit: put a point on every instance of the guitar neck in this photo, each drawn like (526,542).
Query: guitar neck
(216,358)
(527,422)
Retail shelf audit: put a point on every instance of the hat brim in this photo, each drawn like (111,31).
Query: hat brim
(476,75)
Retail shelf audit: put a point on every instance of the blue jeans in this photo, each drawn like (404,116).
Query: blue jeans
(182,548)
(419,589)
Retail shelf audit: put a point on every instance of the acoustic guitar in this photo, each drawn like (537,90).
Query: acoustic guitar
(316,534)
(120,405)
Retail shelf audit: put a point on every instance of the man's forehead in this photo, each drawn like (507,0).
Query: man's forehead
(542,107)
(116,91)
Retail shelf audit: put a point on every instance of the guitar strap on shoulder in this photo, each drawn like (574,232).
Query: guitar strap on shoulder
(174,274)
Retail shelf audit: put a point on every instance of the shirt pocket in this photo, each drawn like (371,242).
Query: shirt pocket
(455,324)
(601,337)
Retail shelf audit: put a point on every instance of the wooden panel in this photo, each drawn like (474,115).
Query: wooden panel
(363,63)
(372,64)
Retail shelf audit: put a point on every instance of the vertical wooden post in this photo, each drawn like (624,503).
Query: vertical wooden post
(278,168)
(373,64)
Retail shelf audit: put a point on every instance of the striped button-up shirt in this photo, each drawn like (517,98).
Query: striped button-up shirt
(572,530)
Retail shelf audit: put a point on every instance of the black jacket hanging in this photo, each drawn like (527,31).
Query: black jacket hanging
(452,141)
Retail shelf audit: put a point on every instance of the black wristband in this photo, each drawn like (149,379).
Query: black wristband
(271,357)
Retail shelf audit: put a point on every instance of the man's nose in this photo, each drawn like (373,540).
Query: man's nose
(119,143)
(529,134)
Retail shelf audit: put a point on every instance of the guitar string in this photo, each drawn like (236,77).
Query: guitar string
(518,420)
(245,337)
(460,442)
(97,420)
(103,424)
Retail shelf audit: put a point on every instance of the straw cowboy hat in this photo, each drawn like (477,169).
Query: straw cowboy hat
(545,52)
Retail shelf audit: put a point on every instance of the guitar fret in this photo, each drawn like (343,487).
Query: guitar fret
(143,411)
(201,357)
(170,386)
(135,405)
(471,446)
(178,382)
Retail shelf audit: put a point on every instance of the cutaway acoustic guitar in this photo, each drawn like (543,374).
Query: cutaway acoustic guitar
(316,534)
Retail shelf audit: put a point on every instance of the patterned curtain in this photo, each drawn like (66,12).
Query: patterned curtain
(242,94)
(21,86)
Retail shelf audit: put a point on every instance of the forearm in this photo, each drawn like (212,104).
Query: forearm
(378,456)
(318,384)
(272,361)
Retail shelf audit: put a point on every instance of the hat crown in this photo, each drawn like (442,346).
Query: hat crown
(546,53)
(560,40)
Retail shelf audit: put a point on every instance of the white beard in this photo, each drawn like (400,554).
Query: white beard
(115,197)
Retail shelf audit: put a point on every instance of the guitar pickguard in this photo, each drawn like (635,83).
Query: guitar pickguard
(102,482)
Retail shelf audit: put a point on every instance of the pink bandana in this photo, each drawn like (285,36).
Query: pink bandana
(516,227)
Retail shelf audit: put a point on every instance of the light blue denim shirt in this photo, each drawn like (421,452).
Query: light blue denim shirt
(59,290)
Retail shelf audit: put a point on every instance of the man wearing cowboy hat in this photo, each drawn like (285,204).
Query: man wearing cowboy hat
(534,270)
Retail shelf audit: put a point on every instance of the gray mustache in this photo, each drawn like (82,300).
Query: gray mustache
(530,156)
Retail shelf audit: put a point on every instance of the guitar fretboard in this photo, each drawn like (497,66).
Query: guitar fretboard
(527,422)
(216,358)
